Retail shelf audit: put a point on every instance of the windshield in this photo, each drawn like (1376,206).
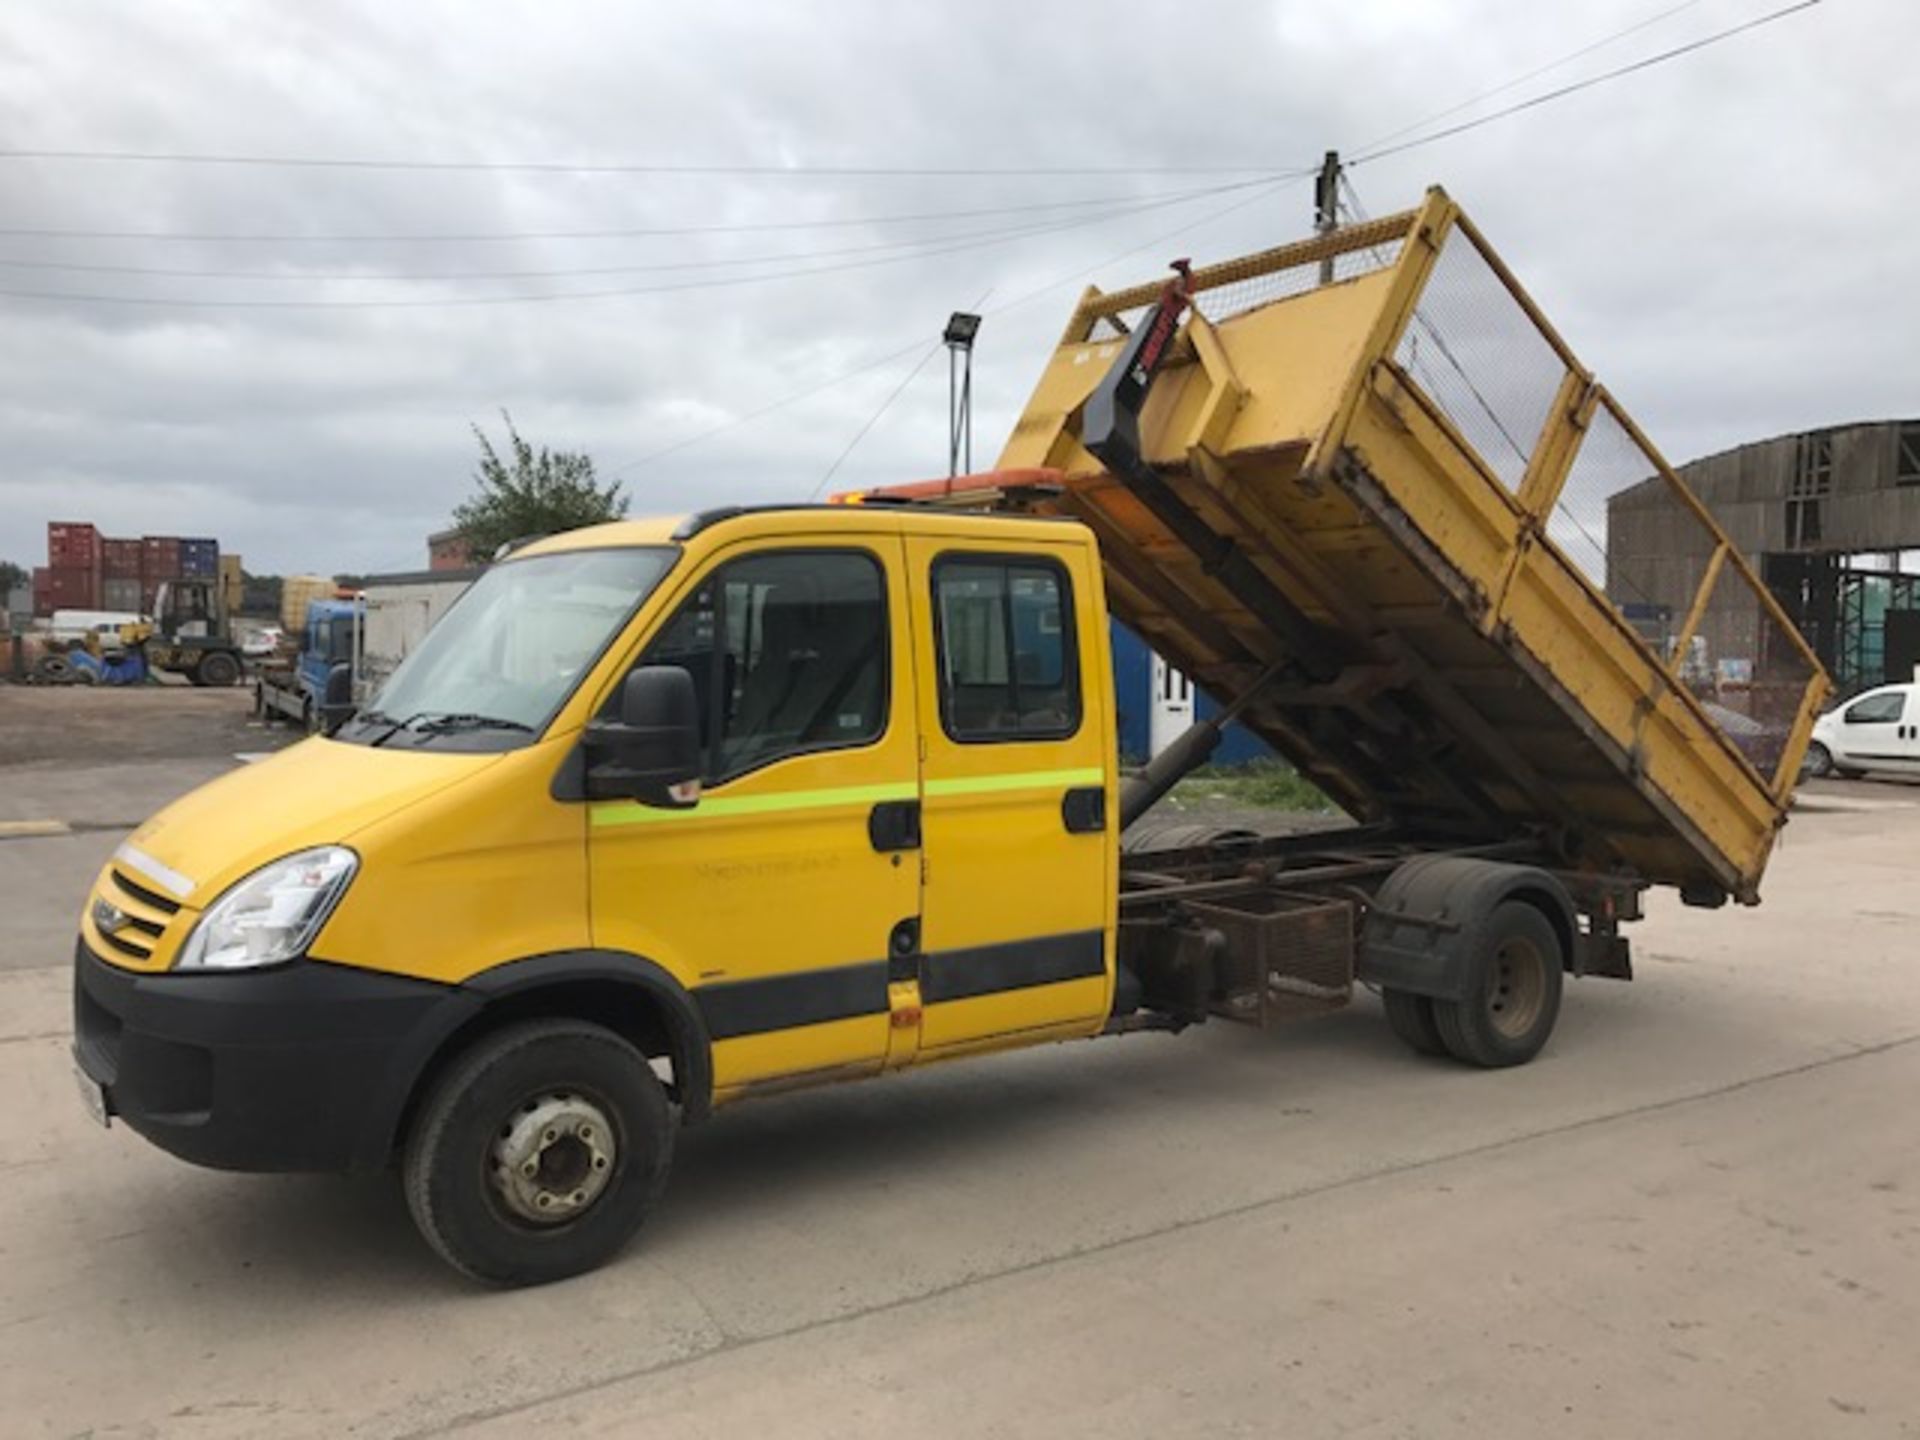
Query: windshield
(503,659)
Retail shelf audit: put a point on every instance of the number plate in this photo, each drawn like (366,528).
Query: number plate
(92,1095)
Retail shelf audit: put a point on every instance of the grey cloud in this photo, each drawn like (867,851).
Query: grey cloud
(1726,239)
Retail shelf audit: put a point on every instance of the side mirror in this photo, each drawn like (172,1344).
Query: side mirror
(653,748)
(336,700)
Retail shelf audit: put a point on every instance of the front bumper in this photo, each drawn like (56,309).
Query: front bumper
(307,1066)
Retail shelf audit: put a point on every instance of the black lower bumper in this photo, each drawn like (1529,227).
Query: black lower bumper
(303,1067)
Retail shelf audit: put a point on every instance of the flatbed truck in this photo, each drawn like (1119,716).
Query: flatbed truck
(671,814)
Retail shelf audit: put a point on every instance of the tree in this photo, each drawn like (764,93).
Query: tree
(532,494)
(10,576)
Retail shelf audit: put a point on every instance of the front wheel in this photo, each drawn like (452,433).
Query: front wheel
(1513,991)
(539,1152)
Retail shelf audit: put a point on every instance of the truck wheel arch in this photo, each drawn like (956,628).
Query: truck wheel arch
(629,994)
(1426,919)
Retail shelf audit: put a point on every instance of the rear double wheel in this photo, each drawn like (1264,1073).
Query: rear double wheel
(1512,992)
(1513,984)
(538,1152)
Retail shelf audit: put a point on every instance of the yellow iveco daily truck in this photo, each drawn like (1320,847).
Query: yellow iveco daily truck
(668,814)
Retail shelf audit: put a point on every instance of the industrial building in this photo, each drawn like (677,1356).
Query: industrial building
(1825,516)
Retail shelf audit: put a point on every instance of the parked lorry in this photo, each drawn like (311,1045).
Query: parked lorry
(294,686)
(669,814)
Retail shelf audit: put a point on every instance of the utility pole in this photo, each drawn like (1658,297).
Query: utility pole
(1326,206)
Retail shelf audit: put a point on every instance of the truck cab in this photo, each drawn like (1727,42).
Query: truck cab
(878,838)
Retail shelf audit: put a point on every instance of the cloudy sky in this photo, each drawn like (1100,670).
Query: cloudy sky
(1728,239)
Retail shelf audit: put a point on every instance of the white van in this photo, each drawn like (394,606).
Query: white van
(1879,730)
(79,624)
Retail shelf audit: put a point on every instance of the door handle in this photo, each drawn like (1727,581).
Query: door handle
(894,825)
(1083,809)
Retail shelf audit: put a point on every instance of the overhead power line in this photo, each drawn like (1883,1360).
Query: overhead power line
(927,251)
(1645,63)
(796,396)
(571,272)
(874,418)
(546,167)
(1533,74)
(46,232)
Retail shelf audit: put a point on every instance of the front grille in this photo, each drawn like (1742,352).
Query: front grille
(125,947)
(146,915)
(143,895)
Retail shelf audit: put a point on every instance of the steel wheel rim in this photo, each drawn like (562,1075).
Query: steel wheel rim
(552,1158)
(1516,987)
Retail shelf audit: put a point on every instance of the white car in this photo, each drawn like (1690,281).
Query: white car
(1879,730)
(261,642)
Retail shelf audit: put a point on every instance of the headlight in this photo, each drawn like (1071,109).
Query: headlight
(273,914)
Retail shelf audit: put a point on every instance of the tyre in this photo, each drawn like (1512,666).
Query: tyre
(538,1152)
(1819,762)
(1513,991)
(53,669)
(218,668)
(1411,1017)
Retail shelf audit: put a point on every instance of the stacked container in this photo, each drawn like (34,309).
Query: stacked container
(159,563)
(73,565)
(120,576)
(199,559)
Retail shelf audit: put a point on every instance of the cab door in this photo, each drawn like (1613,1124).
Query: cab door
(777,898)
(1018,901)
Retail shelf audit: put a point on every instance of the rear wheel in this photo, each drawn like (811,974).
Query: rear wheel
(1411,1017)
(1513,991)
(539,1152)
(1819,761)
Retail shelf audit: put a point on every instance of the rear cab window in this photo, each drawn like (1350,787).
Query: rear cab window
(1008,666)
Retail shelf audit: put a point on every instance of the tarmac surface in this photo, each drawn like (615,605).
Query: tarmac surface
(1697,1213)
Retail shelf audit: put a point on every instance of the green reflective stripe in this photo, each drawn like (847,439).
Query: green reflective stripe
(1020,780)
(629,812)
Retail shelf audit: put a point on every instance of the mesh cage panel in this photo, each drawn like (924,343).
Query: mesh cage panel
(1617,520)
(1236,297)
(1747,670)
(1478,356)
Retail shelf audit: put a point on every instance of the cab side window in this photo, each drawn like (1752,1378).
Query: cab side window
(1881,709)
(788,653)
(1004,636)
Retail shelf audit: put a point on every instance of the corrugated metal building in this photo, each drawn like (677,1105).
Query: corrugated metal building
(1823,514)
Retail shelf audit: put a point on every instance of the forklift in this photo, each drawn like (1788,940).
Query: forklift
(190,633)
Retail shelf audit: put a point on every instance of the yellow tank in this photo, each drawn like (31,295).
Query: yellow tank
(296,594)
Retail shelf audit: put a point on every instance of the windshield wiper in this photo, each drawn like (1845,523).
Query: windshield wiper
(429,723)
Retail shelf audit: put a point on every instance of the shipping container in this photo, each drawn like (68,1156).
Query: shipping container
(298,592)
(200,558)
(72,545)
(121,593)
(42,590)
(233,582)
(72,588)
(120,559)
(159,558)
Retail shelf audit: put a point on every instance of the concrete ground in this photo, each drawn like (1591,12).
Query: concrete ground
(1697,1214)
